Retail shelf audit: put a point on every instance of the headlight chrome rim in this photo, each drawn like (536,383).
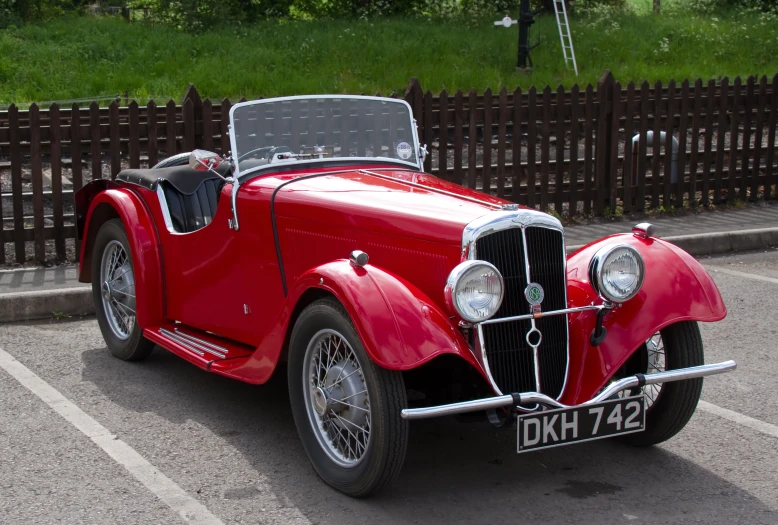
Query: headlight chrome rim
(455,277)
(597,266)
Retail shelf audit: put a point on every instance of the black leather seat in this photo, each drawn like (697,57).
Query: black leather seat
(191,195)
(189,213)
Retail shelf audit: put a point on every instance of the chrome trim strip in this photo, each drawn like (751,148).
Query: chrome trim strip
(541,315)
(165,210)
(502,220)
(484,360)
(542,399)
(183,342)
(431,190)
(567,319)
(194,339)
(196,347)
(334,160)
(535,356)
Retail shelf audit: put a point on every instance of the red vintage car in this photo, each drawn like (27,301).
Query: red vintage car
(389,294)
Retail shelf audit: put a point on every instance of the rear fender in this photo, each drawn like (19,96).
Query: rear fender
(398,325)
(112,202)
(676,288)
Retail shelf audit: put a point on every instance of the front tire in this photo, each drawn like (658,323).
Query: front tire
(113,292)
(669,406)
(345,407)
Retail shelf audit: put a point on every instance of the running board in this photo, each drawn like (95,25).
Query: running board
(203,349)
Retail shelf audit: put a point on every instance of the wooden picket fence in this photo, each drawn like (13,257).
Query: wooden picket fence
(570,152)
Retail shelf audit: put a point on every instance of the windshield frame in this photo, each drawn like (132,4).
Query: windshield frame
(319,161)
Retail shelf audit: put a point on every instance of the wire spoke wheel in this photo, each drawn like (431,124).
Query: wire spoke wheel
(347,409)
(117,289)
(336,398)
(656,362)
(669,406)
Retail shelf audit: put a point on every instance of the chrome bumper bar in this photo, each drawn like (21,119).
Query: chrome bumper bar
(532,398)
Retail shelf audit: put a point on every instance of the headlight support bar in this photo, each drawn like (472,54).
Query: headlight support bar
(539,315)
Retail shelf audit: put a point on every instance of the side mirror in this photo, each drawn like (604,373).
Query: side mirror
(202,160)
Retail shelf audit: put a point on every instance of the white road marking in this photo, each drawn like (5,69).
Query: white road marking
(736,417)
(163,487)
(744,274)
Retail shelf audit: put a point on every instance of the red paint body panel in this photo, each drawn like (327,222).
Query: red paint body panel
(228,282)
(142,234)
(399,326)
(676,288)
(364,202)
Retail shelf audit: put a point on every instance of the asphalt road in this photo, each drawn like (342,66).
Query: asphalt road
(234,449)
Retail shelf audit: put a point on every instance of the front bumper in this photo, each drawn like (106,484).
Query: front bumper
(536,398)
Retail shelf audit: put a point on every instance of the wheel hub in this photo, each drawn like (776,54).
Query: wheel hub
(320,401)
(107,291)
(118,290)
(347,396)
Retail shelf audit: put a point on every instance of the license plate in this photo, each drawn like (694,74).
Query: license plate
(564,426)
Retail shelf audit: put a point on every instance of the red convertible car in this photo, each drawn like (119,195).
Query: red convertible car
(389,295)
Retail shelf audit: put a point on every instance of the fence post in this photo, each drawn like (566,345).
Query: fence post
(196,116)
(16,183)
(605,140)
(415,97)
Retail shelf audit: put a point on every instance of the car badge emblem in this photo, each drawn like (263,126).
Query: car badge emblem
(534,294)
(523,218)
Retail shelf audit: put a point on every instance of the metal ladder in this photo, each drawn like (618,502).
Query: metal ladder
(564,34)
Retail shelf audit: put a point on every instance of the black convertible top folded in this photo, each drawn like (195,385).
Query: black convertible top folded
(183,178)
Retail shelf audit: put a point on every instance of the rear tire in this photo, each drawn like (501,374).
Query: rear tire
(373,451)
(113,292)
(675,402)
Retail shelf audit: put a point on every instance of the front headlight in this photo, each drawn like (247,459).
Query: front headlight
(474,290)
(616,272)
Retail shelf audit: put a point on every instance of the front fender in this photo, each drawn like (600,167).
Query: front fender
(676,288)
(122,203)
(399,326)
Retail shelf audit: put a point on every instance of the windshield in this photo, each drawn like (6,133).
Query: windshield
(316,128)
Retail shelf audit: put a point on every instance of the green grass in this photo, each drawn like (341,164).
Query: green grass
(83,57)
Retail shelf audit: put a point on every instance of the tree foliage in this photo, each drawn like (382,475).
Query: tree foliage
(196,14)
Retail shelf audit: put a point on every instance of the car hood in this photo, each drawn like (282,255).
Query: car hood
(395,202)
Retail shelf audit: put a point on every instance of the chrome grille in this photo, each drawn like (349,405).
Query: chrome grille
(509,357)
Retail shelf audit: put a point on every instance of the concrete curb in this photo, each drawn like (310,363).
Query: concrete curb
(22,306)
(715,243)
(43,304)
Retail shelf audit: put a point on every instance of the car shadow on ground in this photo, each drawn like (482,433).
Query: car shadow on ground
(454,472)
